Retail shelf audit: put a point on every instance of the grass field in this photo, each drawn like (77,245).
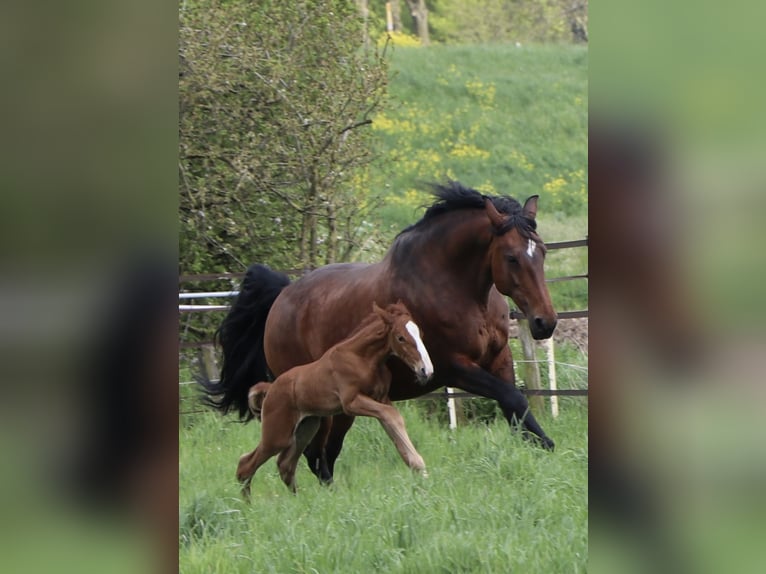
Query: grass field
(491,503)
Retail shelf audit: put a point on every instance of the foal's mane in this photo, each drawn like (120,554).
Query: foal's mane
(454,196)
(366,322)
(373,317)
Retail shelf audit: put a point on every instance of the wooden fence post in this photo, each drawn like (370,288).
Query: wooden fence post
(208,362)
(451,410)
(552,384)
(529,368)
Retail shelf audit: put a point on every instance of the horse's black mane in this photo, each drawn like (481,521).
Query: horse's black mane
(454,196)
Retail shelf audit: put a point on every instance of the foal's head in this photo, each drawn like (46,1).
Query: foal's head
(404,339)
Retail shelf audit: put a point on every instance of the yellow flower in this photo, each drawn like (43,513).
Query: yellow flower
(399,39)
(520,160)
(555,185)
(485,94)
(468,151)
(390,125)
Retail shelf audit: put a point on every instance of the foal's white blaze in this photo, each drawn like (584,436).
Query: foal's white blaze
(413,330)
(531,248)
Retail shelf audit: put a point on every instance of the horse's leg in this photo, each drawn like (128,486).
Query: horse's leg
(502,368)
(315,452)
(393,423)
(469,377)
(288,458)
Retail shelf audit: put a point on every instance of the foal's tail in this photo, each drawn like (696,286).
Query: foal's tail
(241,339)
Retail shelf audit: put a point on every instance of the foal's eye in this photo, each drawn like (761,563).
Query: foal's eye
(400,339)
(511,259)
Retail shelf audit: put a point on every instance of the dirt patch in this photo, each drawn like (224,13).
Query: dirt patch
(572,331)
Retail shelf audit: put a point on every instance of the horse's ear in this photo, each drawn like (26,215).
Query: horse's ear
(495,216)
(530,207)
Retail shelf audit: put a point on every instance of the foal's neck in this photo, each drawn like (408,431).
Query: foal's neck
(370,341)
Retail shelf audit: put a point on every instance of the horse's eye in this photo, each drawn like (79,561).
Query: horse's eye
(512,259)
(401,339)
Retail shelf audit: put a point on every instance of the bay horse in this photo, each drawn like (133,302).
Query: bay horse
(351,377)
(451,269)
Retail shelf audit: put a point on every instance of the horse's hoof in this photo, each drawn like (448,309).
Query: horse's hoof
(548,444)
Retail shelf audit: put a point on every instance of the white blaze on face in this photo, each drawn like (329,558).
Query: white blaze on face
(531,248)
(413,330)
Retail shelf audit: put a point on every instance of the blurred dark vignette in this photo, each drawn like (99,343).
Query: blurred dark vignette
(677,174)
(88,288)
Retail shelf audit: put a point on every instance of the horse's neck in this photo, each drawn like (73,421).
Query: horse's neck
(453,251)
(368,343)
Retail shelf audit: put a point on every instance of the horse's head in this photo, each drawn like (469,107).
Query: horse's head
(517,254)
(405,341)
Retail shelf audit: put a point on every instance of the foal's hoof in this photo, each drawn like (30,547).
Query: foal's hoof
(547,444)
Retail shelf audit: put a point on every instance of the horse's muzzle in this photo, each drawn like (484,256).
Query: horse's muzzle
(542,328)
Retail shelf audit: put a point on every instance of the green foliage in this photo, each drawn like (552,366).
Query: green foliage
(492,502)
(275,102)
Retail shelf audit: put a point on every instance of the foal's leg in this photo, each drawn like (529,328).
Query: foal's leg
(278,421)
(252,461)
(392,421)
(288,458)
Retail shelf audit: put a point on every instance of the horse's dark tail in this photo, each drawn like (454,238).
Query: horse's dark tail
(241,339)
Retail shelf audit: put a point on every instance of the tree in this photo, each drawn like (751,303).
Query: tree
(419,12)
(276,99)
(396,15)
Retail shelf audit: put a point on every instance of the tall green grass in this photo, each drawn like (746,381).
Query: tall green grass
(492,502)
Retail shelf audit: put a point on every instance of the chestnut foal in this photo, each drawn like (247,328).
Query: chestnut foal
(352,378)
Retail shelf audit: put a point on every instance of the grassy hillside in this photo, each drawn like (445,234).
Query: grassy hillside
(499,118)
